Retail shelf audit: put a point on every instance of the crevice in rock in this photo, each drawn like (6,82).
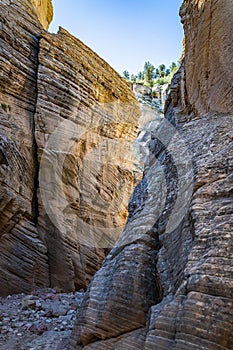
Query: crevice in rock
(35,206)
(208,51)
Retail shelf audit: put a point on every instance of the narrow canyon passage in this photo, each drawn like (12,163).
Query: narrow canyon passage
(116,192)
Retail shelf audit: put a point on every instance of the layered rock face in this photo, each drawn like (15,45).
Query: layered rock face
(86,175)
(167,283)
(153,97)
(67,124)
(23,255)
(208,40)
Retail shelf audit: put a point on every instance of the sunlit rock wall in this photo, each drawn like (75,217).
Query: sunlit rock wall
(23,256)
(44,11)
(68,121)
(86,176)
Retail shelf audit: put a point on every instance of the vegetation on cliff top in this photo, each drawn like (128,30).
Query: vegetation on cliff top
(151,76)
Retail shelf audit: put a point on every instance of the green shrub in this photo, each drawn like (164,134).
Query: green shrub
(162,81)
(6,108)
(151,76)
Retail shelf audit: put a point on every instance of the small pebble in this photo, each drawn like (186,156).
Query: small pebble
(27,317)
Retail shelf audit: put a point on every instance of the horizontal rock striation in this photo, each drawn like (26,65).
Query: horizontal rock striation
(86,176)
(167,283)
(24,261)
(67,124)
(22,253)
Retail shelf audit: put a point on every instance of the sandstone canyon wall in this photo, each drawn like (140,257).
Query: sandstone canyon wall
(67,124)
(44,11)
(23,255)
(167,283)
(92,115)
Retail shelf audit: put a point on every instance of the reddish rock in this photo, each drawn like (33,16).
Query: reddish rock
(38,328)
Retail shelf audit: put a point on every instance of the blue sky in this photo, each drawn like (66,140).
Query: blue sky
(126,33)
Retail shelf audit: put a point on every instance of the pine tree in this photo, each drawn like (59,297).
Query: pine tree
(148,72)
(162,67)
(140,76)
(126,75)
(133,77)
(173,67)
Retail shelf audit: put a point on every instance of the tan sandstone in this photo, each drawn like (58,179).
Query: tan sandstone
(60,218)
(167,283)
(44,11)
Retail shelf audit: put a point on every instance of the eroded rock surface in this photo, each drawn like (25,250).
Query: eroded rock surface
(67,124)
(91,115)
(23,255)
(208,41)
(167,283)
